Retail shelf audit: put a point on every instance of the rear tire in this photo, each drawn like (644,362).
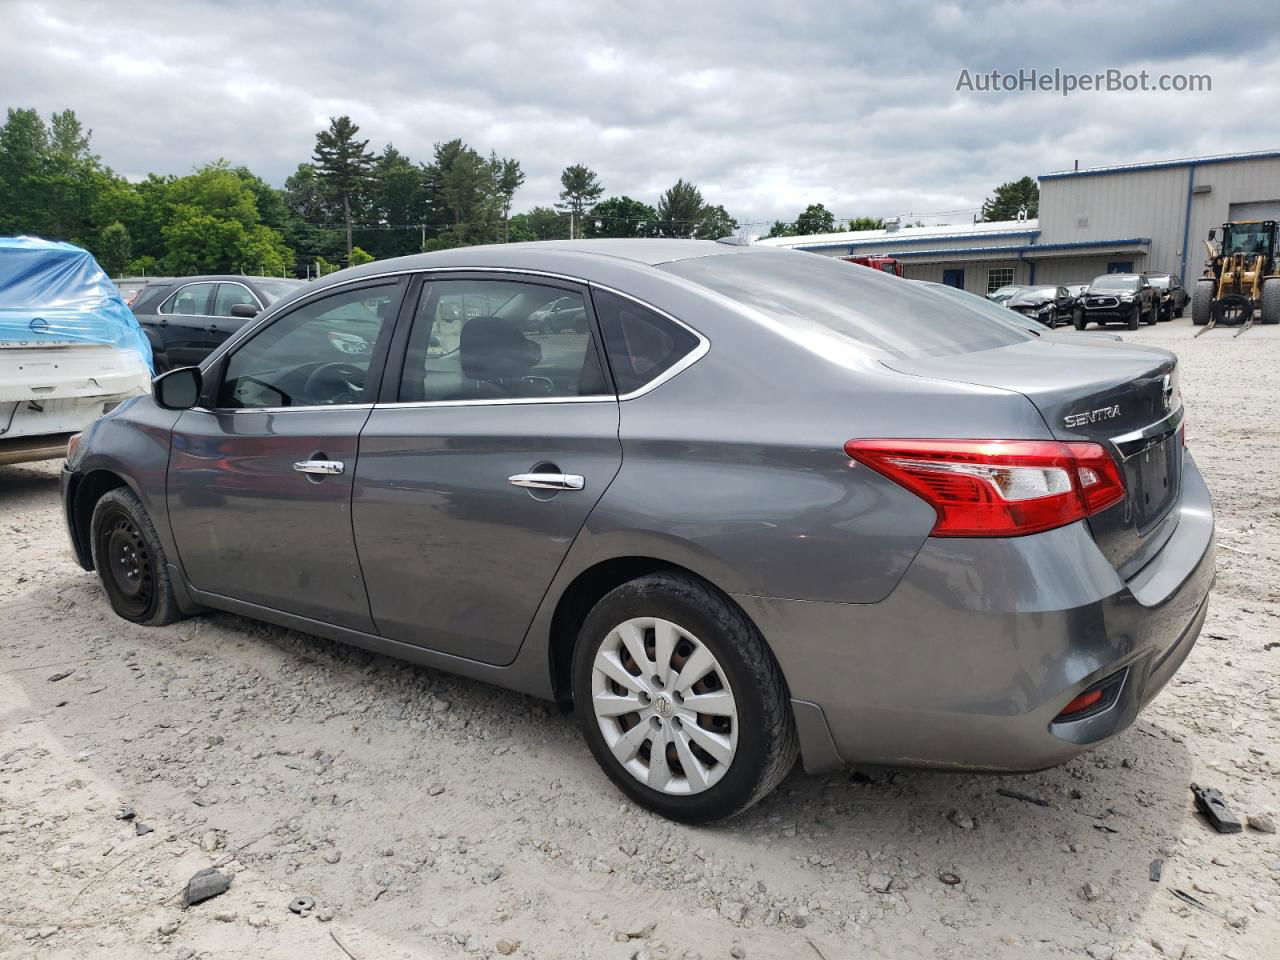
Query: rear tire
(1178,313)
(130,560)
(678,629)
(1202,302)
(1271,300)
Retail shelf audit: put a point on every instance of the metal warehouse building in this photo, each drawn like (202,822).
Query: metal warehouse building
(1142,216)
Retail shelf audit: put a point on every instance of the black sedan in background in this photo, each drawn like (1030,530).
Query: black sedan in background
(1173,295)
(1049,304)
(185,318)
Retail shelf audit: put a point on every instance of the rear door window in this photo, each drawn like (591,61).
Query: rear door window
(823,296)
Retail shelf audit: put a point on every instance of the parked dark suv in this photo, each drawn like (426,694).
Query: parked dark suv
(1126,298)
(185,318)
(1173,295)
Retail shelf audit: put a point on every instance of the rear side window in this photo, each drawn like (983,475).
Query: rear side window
(641,345)
(823,296)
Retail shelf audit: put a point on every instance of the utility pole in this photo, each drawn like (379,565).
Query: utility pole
(423,244)
(570,224)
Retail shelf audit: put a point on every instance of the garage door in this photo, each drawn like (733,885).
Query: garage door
(1255,210)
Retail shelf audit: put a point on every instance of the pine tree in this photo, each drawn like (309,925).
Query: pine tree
(343,165)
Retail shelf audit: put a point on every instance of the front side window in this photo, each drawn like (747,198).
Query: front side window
(189,301)
(316,355)
(499,340)
(231,294)
(641,345)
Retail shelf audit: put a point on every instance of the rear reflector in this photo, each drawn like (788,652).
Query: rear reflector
(1081,703)
(998,488)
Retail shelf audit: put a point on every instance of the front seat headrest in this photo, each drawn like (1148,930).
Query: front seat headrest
(493,348)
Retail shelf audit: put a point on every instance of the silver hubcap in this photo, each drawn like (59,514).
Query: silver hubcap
(664,706)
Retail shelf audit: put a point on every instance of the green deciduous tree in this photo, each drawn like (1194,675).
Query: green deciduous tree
(620,217)
(343,165)
(1009,198)
(715,223)
(866,223)
(540,223)
(815,218)
(580,189)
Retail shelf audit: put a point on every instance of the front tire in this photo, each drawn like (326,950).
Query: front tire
(1080,321)
(1202,302)
(130,560)
(1135,318)
(680,699)
(1271,301)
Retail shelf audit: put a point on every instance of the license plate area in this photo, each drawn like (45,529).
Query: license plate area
(1154,477)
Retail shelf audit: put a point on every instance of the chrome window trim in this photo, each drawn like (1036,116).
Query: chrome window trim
(308,408)
(688,360)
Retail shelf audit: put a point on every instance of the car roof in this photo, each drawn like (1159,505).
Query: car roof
(589,260)
(215,277)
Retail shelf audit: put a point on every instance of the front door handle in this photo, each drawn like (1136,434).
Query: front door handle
(548,481)
(327,468)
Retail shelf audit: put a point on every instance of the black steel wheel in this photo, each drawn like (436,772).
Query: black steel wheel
(130,560)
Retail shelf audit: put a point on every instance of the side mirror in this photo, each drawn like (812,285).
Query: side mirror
(1213,234)
(245,310)
(178,389)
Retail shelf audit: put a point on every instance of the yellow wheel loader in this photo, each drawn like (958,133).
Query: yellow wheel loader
(1241,277)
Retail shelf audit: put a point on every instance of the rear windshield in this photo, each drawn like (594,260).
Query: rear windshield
(812,293)
(273,290)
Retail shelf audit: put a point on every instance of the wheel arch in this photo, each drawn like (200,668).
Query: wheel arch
(83,494)
(585,591)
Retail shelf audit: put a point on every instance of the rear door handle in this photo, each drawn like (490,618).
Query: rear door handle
(327,468)
(548,481)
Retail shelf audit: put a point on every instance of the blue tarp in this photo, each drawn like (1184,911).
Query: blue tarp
(55,293)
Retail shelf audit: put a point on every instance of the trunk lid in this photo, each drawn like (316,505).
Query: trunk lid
(1120,395)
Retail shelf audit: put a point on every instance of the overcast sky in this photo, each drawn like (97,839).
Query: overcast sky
(766,106)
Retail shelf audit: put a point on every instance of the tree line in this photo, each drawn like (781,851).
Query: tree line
(345,205)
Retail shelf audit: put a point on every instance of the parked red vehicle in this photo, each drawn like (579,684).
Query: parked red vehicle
(887,264)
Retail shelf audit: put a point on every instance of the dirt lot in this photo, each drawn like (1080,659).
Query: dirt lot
(435,817)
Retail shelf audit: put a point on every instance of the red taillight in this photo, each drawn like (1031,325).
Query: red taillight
(998,488)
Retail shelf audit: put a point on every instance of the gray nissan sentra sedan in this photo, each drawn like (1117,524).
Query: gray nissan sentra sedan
(762,503)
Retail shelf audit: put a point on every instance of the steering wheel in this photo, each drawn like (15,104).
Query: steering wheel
(337,382)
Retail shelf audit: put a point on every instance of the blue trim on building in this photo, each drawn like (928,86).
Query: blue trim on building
(881,241)
(1025,248)
(1162,165)
(1186,223)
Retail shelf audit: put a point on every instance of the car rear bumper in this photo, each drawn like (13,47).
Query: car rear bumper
(971,659)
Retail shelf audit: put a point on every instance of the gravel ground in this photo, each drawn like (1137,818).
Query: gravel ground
(435,817)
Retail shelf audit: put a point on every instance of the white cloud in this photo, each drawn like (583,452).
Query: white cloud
(766,106)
